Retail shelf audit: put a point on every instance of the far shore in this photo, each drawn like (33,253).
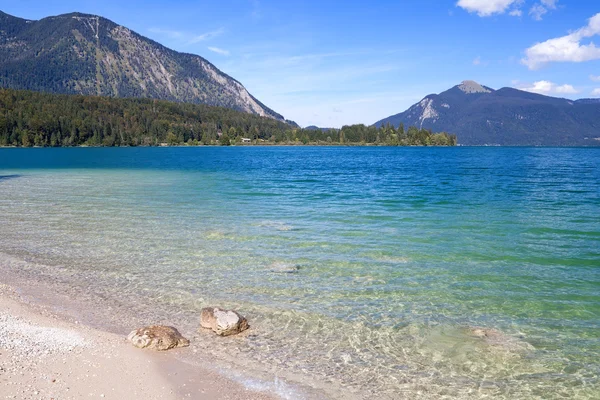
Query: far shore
(266,144)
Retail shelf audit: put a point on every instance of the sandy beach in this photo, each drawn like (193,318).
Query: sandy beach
(44,356)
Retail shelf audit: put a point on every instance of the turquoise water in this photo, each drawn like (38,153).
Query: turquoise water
(363,270)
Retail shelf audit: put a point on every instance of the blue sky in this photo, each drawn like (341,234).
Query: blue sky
(330,63)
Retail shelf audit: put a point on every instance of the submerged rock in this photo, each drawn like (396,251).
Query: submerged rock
(284,268)
(277,225)
(498,339)
(223,322)
(157,337)
(483,332)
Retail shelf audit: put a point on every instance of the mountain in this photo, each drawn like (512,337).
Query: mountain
(479,115)
(87,54)
(588,101)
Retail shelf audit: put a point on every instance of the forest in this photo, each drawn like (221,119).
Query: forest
(30,119)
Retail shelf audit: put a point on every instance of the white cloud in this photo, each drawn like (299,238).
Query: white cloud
(547,88)
(219,51)
(485,8)
(566,48)
(566,89)
(595,78)
(596,92)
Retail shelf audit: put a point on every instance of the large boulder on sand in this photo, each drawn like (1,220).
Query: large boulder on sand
(157,337)
(222,322)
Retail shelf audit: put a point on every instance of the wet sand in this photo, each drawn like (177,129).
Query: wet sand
(46,356)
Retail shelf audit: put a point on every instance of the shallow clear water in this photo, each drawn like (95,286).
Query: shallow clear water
(400,252)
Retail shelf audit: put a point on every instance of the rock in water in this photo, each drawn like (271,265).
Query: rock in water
(284,268)
(497,339)
(157,337)
(223,322)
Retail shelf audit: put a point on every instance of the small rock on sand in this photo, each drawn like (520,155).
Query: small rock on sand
(223,322)
(157,337)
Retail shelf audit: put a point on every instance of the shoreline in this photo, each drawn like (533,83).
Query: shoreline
(208,355)
(310,145)
(45,353)
(247,145)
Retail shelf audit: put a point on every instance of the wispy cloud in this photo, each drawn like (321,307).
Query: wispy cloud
(566,48)
(479,62)
(595,78)
(187,38)
(255,14)
(277,61)
(596,92)
(168,33)
(206,36)
(316,81)
(516,13)
(219,51)
(538,10)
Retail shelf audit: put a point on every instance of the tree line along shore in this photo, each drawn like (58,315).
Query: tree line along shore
(38,119)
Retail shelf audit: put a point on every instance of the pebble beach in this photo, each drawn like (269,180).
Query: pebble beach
(46,356)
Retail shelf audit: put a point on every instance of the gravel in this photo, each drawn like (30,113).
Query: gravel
(22,338)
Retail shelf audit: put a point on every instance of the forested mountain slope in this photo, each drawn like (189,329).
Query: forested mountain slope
(90,55)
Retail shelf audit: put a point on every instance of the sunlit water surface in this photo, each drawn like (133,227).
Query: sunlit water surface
(362,270)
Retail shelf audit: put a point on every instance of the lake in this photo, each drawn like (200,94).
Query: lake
(371,272)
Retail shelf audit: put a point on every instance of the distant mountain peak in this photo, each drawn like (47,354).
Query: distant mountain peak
(480,115)
(471,87)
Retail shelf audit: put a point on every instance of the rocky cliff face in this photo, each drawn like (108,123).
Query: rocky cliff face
(90,55)
(479,115)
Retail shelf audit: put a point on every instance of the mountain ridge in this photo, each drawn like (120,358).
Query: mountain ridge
(480,115)
(87,54)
